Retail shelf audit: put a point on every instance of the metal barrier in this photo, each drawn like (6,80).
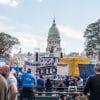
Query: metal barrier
(47,97)
(79,89)
(55,94)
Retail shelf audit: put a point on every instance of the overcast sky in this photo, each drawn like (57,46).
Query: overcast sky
(30,20)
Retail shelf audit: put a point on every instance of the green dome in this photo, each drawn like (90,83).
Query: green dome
(53,31)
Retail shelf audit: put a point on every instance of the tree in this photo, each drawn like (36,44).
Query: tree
(92,36)
(6,43)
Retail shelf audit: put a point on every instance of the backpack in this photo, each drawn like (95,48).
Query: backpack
(48,84)
(28,81)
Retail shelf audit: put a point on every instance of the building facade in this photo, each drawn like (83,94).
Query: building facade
(53,42)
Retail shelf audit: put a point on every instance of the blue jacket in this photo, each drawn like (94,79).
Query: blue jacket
(28,80)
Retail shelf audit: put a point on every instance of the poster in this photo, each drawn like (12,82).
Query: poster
(63,69)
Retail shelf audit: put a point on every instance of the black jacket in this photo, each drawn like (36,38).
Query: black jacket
(93,87)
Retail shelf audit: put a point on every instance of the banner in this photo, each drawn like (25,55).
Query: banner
(48,61)
(86,70)
(47,70)
(73,62)
(63,69)
(58,72)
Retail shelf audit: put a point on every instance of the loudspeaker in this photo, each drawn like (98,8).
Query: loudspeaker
(61,55)
(37,56)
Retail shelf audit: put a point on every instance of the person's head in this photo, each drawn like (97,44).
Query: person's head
(76,97)
(48,80)
(63,97)
(5,71)
(61,83)
(41,76)
(78,78)
(97,68)
(29,70)
(72,83)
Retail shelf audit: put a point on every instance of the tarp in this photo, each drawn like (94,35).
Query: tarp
(86,70)
(73,62)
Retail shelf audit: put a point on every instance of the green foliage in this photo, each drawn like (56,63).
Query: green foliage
(92,36)
(6,43)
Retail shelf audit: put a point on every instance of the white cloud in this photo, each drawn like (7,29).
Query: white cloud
(12,3)
(5,24)
(71,39)
(67,31)
(4,27)
(4,18)
(39,1)
(29,41)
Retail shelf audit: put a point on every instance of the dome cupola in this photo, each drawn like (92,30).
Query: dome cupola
(53,31)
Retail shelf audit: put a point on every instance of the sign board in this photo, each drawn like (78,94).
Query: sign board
(47,70)
(54,72)
(63,69)
(48,60)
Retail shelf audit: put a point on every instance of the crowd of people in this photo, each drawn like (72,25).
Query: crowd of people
(8,84)
(26,84)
